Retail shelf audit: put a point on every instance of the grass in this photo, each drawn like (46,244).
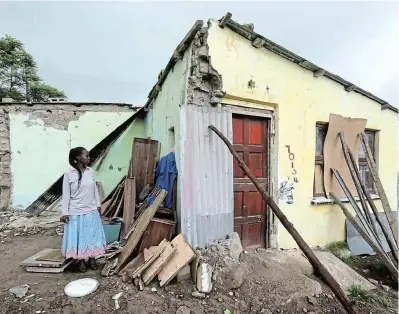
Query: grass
(380,266)
(338,248)
(357,293)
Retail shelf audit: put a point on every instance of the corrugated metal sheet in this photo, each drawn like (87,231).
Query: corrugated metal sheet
(207,200)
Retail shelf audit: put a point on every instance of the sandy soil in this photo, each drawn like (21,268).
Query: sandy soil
(256,294)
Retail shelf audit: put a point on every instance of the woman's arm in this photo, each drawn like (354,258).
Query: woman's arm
(66,196)
(96,194)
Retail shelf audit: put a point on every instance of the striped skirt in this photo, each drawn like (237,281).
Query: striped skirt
(84,236)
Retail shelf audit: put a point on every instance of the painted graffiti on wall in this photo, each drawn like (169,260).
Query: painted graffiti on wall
(287,186)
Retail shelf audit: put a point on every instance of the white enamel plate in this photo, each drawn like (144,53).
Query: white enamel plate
(81,287)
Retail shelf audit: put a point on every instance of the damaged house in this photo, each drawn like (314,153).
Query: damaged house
(275,107)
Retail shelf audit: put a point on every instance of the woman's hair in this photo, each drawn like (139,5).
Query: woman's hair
(74,153)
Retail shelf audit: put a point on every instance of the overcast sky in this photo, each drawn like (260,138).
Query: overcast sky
(114,51)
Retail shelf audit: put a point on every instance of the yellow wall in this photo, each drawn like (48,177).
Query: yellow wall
(300,100)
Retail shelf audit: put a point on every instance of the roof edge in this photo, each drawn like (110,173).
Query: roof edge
(177,55)
(251,35)
(73,103)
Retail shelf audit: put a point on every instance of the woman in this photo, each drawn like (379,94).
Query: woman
(83,230)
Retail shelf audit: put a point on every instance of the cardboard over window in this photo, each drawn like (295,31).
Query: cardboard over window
(334,155)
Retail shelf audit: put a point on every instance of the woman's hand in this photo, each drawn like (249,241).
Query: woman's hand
(64,219)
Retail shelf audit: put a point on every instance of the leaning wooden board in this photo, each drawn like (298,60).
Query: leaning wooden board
(135,236)
(153,270)
(145,156)
(184,254)
(157,251)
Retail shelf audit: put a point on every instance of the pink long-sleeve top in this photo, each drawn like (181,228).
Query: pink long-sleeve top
(79,199)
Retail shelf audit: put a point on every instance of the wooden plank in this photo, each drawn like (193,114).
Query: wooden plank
(142,223)
(183,256)
(52,256)
(109,196)
(132,266)
(104,207)
(129,208)
(343,274)
(157,230)
(144,158)
(115,201)
(194,266)
(156,252)
(384,257)
(362,188)
(381,192)
(120,206)
(33,262)
(141,210)
(154,269)
(54,270)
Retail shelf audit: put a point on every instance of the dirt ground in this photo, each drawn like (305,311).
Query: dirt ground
(259,292)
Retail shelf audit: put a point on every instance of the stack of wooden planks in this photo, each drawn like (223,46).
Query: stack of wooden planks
(369,220)
(147,227)
(164,260)
(122,201)
(46,261)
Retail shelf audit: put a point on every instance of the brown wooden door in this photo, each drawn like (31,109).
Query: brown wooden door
(250,142)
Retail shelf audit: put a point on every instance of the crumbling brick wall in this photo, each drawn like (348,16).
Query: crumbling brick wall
(204,83)
(5,160)
(56,116)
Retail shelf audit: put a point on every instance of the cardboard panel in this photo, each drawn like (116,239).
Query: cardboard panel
(333,153)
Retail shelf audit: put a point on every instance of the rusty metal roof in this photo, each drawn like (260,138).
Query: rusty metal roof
(261,41)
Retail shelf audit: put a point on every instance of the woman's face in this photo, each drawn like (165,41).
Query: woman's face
(84,158)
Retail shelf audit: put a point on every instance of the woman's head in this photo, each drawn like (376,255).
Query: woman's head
(78,158)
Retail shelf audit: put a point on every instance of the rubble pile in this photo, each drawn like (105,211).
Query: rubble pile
(18,224)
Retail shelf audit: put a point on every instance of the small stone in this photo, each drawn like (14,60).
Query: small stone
(386,288)
(198,295)
(312,300)
(245,252)
(373,281)
(153,289)
(19,291)
(220,299)
(183,310)
(305,310)
(231,293)
(330,296)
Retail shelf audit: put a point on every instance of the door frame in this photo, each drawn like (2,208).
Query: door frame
(271,167)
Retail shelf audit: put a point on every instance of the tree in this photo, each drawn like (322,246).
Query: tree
(18,74)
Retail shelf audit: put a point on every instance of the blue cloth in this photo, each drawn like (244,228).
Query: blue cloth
(84,236)
(166,175)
